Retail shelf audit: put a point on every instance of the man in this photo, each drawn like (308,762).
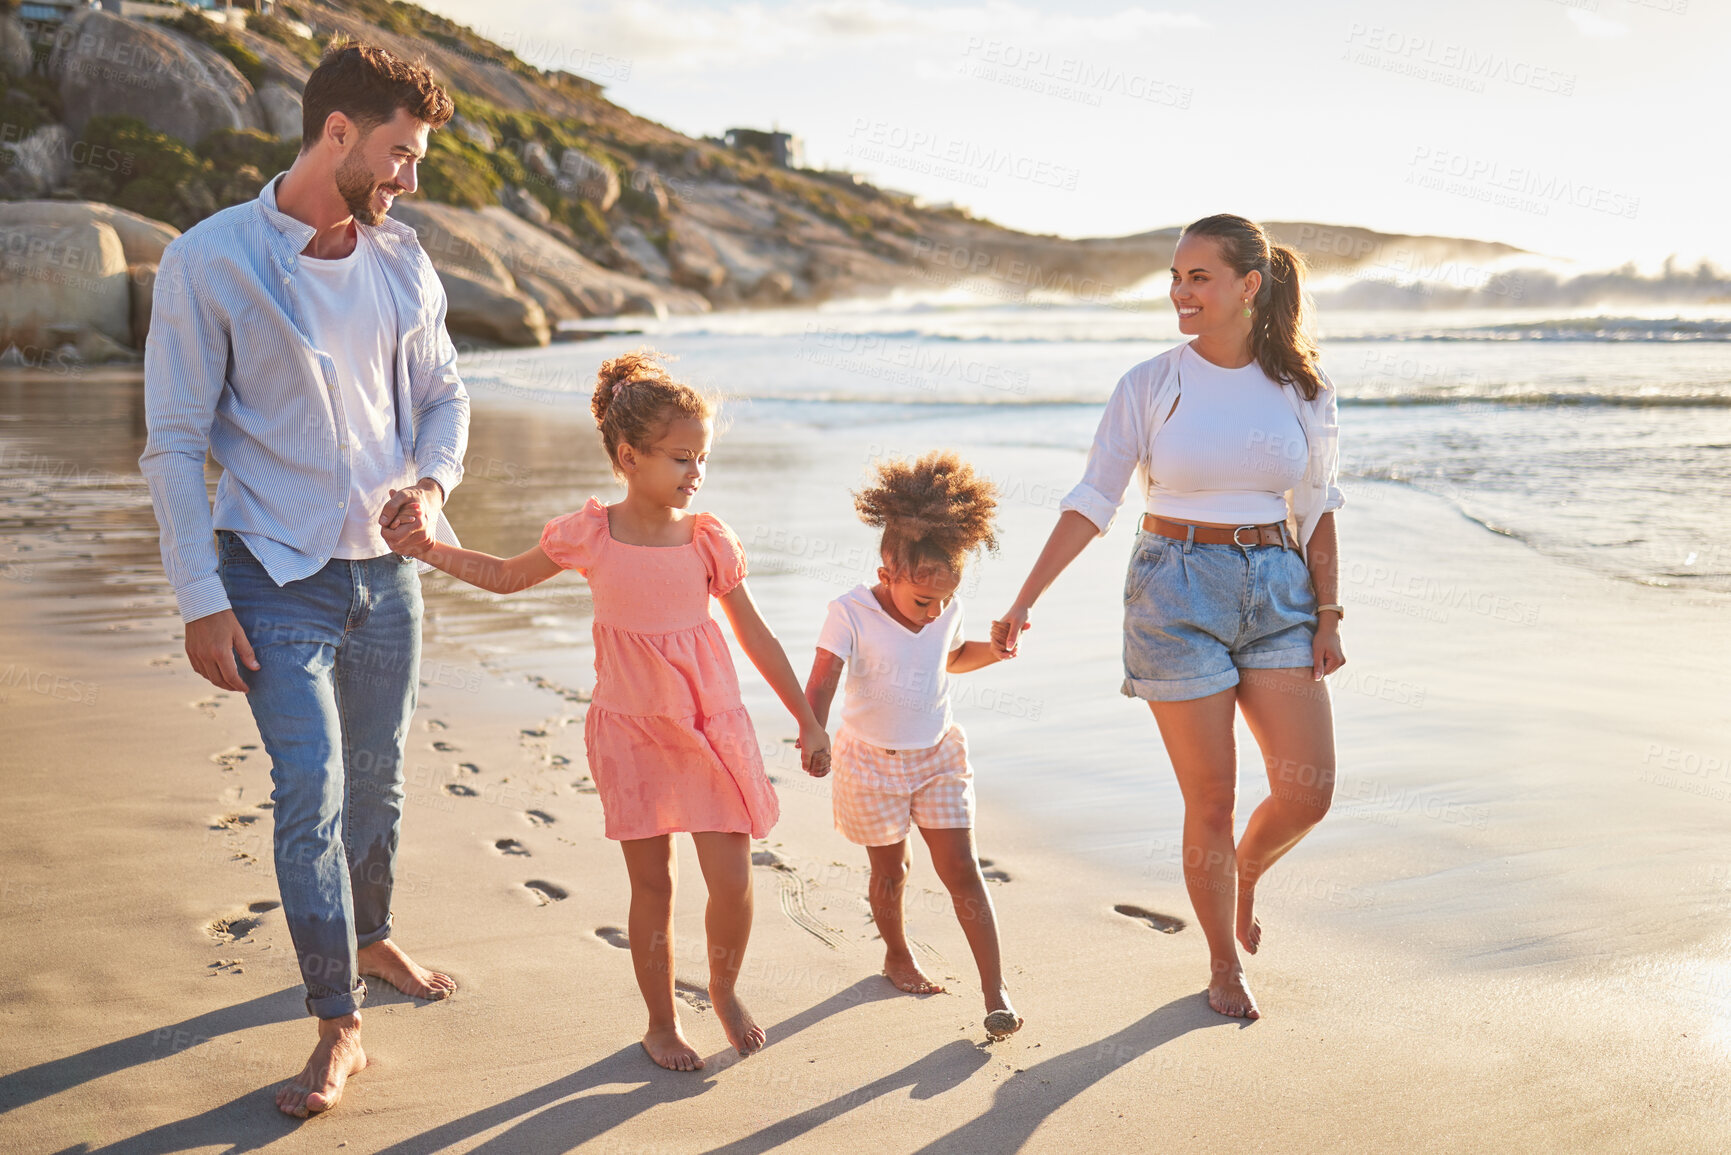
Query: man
(300,338)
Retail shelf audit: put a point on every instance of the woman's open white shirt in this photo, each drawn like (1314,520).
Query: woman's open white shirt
(1138,408)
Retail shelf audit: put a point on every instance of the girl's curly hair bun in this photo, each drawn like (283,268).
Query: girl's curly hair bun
(934,512)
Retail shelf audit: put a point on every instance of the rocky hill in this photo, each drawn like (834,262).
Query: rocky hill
(543,201)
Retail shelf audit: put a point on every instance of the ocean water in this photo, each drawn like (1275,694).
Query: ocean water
(1601,438)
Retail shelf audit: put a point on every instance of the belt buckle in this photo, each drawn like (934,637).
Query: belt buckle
(1239,530)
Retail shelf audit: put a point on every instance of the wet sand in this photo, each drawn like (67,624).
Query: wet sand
(1509,934)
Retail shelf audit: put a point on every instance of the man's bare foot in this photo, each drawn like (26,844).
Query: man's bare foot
(385,960)
(320,1083)
(1249,929)
(1230,995)
(907,976)
(667,1046)
(741,1029)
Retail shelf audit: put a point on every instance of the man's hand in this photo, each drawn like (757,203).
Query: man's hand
(424,493)
(211,645)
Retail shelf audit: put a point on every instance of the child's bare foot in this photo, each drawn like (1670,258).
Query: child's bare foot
(907,976)
(320,1084)
(667,1046)
(385,960)
(1230,995)
(741,1029)
(1249,930)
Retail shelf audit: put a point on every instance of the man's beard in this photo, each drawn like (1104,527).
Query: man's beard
(356,185)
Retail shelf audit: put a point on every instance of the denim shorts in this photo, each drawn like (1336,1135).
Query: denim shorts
(1194,615)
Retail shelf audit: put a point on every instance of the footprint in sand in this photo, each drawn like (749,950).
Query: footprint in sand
(236,927)
(585,786)
(233,821)
(468,768)
(232,757)
(539,818)
(511,846)
(164,660)
(613,936)
(435,724)
(444,747)
(546,892)
(559,760)
(460,790)
(692,993)
(991,873)
(534,733)
(1164,923)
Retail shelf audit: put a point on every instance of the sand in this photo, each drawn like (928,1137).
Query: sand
(1510,934)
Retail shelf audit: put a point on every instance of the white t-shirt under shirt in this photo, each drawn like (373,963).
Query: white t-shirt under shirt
(349,313)
(1231,449)
(898,683)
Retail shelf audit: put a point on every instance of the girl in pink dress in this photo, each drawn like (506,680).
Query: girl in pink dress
(671,747)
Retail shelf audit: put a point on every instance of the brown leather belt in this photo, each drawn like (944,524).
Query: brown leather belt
(1244,536)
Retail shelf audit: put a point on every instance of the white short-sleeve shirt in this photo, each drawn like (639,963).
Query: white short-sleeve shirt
(898,682)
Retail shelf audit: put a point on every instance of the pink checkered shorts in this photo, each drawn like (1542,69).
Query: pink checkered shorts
(879,793)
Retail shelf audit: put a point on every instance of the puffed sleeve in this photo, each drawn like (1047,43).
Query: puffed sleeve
(722,554)
(574,540)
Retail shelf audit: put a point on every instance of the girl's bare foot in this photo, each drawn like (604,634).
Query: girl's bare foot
(667,1046)
(741,1029)
(320,1084)
(385,960)
(907,976)
(1230,995)
(1249,930)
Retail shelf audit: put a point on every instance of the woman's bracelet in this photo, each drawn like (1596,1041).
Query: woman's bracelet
(1339,609)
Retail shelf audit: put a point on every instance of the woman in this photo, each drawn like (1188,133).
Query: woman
(1233,437)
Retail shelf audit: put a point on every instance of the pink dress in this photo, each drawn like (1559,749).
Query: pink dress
(671,747)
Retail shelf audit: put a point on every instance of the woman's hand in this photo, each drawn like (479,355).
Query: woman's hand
(1008,630)
(813,746)
(1326,656)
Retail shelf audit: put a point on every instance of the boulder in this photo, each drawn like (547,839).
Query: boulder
(538,160)
(693,259)
(474,132)
(594,180)
(59,281)
(484,310)
(14,45)
(637,248)
(104,63)
(142,279)
(40,163)
(496,248)
(141,239)
(519,200)
(280,108)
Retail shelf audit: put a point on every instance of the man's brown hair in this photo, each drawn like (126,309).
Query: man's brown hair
(368,85)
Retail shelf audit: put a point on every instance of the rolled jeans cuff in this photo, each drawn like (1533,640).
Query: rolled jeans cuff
(336,1006)
(372,937)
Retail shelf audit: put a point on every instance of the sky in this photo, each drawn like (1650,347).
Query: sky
(1587,129)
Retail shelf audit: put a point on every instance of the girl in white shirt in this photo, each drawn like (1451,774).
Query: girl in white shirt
(899,759)
(1231,603)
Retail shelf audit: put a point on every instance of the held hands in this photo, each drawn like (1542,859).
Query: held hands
(408,517)
(1008,630)
(813,747)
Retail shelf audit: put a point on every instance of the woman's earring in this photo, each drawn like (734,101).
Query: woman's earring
(1247,308)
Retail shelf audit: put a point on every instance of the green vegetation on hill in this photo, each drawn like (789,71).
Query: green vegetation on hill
(160,177)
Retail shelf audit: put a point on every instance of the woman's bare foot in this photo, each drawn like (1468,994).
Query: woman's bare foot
(907,976)
(1230,995)
(667,1046)
(385,960)
(741,1029)
(1249,930)
(320,1084)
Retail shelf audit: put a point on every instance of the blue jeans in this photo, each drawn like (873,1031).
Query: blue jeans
(339,656)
